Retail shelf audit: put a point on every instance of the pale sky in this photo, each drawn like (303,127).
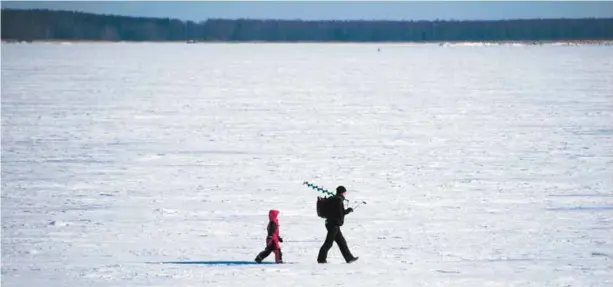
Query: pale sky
(334,10)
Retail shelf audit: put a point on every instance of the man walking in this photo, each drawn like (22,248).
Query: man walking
(334,220)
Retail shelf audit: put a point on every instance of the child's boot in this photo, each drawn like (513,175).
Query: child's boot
(278,256)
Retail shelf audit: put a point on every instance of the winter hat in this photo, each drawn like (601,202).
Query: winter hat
(340,190)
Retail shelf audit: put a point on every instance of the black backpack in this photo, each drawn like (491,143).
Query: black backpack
(322,206)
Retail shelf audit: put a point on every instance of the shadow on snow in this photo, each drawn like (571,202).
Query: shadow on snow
(214,262)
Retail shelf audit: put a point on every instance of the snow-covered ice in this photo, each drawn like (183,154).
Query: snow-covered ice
(480,165)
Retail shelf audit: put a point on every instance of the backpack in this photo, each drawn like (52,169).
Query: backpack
(322,206)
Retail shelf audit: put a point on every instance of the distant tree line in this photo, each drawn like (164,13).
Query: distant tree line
(29,25)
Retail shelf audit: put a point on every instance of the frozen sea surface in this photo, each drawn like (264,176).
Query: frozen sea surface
(156,164)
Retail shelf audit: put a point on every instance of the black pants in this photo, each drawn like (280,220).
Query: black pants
(334,235)
(267,251)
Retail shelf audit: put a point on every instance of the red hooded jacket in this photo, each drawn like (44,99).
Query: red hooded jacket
(273,229)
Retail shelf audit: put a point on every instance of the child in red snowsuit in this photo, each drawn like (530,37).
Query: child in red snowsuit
(273,239)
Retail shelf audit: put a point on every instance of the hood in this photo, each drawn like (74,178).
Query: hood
(272,215)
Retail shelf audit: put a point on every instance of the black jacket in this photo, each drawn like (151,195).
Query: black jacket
(337,211)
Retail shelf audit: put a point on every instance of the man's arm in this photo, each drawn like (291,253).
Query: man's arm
(343,210)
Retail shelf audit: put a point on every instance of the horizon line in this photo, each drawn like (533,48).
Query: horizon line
(304,20)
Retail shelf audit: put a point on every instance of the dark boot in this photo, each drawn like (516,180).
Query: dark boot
(263,255)
(342,245)
(323,253)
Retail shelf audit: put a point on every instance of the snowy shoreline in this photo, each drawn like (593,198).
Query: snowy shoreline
(440,43)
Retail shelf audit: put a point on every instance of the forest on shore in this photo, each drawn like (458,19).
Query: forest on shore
(47,25)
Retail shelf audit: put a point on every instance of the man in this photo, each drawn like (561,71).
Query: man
(334,220)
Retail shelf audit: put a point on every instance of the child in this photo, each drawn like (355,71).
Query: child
(273,239)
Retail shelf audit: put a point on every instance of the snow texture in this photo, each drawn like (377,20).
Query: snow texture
(156,164)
